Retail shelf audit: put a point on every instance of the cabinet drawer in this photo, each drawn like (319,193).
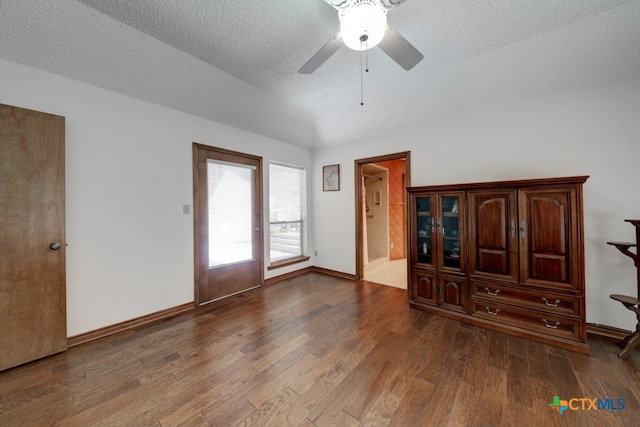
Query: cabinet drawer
(546,323)
(538,300)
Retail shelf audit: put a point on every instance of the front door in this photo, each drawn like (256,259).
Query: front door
(33,320)
(228,222)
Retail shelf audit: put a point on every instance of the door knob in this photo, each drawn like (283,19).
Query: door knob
(55,246)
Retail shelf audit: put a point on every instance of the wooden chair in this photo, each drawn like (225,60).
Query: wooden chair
(630,303)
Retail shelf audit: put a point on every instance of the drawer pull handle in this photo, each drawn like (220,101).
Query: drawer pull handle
(493,294)
(554,326)
(493,313)
(548,304)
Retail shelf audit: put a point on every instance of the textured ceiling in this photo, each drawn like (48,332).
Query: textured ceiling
(236,62)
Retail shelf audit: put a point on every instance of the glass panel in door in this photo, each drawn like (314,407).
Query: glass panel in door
(230,213)
(425,225)
(451,231)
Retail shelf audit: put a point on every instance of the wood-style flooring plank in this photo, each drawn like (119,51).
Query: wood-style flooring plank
(518,381)
(397,389)
(466,405)
(274,411)
(476,359)
(539,365)
(260,395)
(315,351)
(104,409)
(359,403)
(154,406)
(299,412)
(542,392)
(440,345)
(494,397)
(498,350)
(410,409)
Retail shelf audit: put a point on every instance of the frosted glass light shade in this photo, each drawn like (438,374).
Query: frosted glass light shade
(364,18)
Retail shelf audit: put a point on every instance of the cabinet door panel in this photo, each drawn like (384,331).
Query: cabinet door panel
(493,234)
(452,292)
(549,245)
(423,287)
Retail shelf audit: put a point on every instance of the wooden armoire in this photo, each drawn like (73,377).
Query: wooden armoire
(504,255)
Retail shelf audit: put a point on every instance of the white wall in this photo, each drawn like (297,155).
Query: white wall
(128,173)
(589,131)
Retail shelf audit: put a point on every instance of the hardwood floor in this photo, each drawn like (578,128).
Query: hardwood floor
(319,351)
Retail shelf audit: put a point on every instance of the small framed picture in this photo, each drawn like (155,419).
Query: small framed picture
(331,178)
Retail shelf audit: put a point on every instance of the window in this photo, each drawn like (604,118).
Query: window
(286,211)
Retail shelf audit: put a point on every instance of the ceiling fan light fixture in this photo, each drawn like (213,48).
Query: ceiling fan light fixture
(363,24)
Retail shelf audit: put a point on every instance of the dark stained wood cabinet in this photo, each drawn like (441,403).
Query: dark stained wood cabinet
(437,256)
(518,259)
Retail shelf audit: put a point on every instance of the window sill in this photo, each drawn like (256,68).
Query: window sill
(288,261)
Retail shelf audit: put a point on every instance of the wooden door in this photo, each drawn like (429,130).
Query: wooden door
(32,236)
(228,222)
(549,238)
(493,234)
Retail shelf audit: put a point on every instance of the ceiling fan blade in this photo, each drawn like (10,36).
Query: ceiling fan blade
(400,50)
(322,55)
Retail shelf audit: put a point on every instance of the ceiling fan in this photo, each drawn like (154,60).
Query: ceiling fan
(363,25)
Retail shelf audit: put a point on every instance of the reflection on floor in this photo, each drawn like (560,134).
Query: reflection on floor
(391,273)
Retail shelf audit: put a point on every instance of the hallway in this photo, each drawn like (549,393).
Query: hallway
(390,273)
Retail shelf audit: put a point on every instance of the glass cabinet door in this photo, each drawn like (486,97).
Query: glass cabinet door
(425,223)
(450,228)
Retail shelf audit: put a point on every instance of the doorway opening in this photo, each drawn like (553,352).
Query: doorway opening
(381,218)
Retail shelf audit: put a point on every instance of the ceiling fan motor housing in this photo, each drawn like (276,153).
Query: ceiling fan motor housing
(363,24)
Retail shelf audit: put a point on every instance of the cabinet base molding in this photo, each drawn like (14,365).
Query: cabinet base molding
(575,346)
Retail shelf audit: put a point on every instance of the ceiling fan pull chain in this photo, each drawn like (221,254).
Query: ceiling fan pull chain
(363,66)
(366,55)
(361,80)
